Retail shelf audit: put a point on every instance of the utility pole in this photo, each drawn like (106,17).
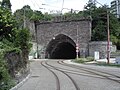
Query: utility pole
(62,7)
(108,42)
(24,19)
(108,35)
(77,45)
(36,40)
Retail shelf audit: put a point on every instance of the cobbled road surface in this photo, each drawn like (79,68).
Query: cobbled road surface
(62,75)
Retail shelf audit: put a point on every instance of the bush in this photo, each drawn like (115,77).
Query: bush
(11,40)
(23,43)
(5,80)
(23,39)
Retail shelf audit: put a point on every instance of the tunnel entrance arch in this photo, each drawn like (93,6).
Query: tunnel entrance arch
(76,29)
(61,47)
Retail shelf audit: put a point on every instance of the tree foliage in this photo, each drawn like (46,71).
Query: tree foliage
(23,14)
(99,23)
(47,17)
(11,39)
(26,13)
(7,24)
(99,20)
(6,4)
(22,39)
(37,15)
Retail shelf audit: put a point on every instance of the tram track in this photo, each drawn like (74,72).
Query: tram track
(59,75)
(49,67)
(88,74)
(106,75)
(55,75)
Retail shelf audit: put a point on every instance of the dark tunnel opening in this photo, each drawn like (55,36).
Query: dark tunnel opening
(63,50)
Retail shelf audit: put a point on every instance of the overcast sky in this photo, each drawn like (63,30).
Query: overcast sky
(52,4)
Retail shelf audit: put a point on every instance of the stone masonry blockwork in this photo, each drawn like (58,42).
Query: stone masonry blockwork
(45,31)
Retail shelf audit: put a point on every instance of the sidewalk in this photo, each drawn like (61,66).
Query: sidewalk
(112,60)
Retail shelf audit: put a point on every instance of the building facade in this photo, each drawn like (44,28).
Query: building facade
(115,8)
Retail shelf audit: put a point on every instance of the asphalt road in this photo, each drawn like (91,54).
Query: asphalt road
(61,75)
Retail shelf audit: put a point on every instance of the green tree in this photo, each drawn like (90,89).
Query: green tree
(37,15)
(22,42)
(114,26)
(7,24)
(6,4)
(47,16)
(10,37)
(23,14)
(99,33)
(22,39)
(28,12)
(89,9)
(99,23)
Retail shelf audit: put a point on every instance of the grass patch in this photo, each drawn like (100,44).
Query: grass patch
(80,60)
(83,60)
(89,59)
(105,64)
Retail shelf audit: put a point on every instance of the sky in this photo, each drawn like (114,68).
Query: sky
(53,5)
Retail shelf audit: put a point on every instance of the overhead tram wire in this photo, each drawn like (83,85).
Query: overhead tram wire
(43,4)
(34,3)
(60,7)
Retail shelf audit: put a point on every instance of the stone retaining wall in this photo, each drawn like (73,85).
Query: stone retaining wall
(16,66)
(101,47)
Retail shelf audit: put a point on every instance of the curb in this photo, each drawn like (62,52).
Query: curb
(21,83)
